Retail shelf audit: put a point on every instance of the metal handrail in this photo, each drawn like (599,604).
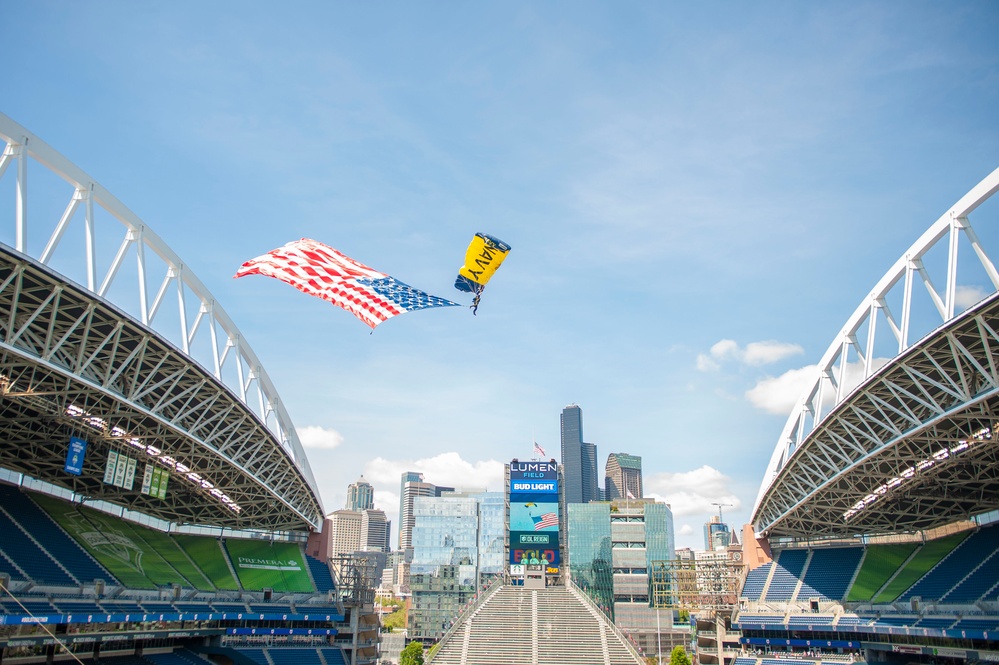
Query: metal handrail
(576,591)
(470,609)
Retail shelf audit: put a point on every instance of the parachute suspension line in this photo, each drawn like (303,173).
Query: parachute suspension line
(4,588)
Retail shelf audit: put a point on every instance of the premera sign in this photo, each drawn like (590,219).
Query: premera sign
(269,565)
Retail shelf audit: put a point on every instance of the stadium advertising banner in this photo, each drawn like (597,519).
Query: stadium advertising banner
(533,470)
(528,547)
(269,565)
(534,516)
(74,456)
(525,486)
(534,513)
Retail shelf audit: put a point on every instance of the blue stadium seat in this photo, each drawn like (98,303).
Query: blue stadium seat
(967,556)
(193,608)
(964,558)
(938,623)
(977,584)
(79,607)
(179,657)
(230,608)
(320,574)
(51,536)
(335,656)
(789,566)
(294,656)
(37,564)
(270,609)
(755,580)
(256,655)
(829,573)
(324,608)
(977,623)
(903,621)
(6,566)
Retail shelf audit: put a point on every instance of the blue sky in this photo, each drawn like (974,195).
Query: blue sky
(697,196)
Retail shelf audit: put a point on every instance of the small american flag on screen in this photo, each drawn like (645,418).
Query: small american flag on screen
(321,271)
(546,520)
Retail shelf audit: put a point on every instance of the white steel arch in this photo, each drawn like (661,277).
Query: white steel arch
(199,318)
(832,387)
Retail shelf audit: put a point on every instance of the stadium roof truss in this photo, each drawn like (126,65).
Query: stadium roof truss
(914,445)
(75,362)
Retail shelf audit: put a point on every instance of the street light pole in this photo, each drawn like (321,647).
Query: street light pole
(659,640)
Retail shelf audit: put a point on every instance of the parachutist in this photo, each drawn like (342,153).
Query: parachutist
(482,258)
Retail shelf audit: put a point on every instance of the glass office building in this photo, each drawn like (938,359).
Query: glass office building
(458,546)
(611,549)
(589,551)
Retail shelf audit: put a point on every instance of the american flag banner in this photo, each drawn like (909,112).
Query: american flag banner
(544,521)
(539,450)
(321,271)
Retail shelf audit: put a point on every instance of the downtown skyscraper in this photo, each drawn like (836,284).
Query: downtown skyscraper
(579,459)
(360,495)
(411,486)
(623,477)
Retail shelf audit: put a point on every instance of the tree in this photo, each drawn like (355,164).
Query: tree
(396,620)
(413,654)
(679,656)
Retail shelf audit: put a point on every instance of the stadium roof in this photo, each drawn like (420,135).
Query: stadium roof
(175,388)
(913,445)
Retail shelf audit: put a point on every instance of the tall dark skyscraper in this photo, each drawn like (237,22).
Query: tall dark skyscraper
(579,459)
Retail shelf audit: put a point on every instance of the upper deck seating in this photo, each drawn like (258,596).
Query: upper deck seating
(52,538)
(37,564)
(320,574)
(755,581)
(928,555)
(785,580)
(829,572)
(964,558)
(880,563)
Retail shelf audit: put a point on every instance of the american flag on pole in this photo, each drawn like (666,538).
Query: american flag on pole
(544,521)
(630,495)
(321,271)
(539,450)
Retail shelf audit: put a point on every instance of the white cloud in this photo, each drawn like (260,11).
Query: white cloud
(966,296)
(447,469)
(685,530)
(693,492)
(754,354)
(322,438)
(706,364)
(770,351)
(779,394)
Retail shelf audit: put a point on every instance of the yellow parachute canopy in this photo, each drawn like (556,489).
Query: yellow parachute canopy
(482,258)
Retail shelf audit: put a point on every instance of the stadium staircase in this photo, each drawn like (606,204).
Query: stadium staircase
(551,626)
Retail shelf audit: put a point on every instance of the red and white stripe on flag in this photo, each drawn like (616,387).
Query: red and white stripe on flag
(321,271)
